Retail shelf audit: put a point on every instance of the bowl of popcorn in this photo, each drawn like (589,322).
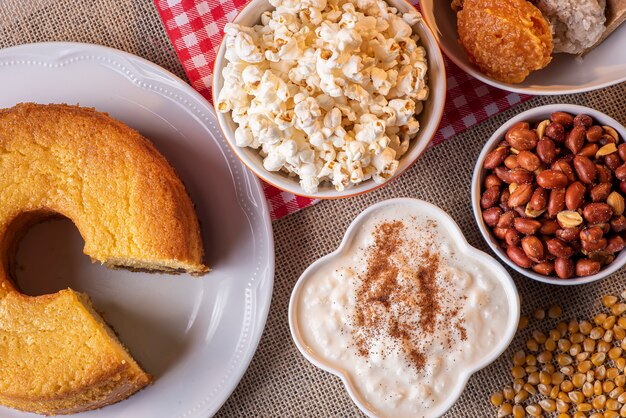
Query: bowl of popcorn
(548,194)
(328,99)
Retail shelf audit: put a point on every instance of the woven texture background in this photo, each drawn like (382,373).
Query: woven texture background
(280,382)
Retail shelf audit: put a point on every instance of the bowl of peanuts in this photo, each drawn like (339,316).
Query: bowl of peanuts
(548,194)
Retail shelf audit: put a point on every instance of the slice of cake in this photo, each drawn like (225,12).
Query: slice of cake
(57,356)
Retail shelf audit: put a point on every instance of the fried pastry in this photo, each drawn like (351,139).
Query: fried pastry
(505,39)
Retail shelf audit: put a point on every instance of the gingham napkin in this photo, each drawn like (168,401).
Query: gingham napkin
(195,29)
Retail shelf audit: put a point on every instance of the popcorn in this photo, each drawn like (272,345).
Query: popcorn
(327,90)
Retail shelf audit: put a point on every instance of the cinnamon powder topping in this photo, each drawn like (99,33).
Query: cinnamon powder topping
(401,297)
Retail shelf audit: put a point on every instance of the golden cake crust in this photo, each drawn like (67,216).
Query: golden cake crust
(57,355)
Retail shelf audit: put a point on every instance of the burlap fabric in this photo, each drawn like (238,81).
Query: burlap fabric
(280,382)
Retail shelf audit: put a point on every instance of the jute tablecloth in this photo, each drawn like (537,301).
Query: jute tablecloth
(280,382)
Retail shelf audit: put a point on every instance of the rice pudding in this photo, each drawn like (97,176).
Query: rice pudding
(403,313)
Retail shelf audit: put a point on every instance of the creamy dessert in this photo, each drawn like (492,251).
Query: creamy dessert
(326,91)
(403,313)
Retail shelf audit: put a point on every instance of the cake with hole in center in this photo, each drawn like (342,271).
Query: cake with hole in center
(57,355)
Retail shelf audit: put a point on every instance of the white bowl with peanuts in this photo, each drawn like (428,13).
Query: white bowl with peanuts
(548,194)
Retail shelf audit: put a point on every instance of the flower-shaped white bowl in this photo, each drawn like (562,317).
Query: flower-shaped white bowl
(469,254)
(533,116)
(429,119)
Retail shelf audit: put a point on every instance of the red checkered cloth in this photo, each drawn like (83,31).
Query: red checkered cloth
(195,29)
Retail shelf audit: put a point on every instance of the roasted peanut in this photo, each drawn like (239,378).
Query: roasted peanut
(564,167)
(491,216)
(564,268)
(616,202)
(521,195)
(585,169)
(544,268)
(506,219)
(526,226)
(620,172)
(552,179)
(500,233)
(555,131)
(615,244)
(492,180)
(556,202)
(594,133)
(517,255)
(618,224)
(574,195)
(548,227)
(559,249)
(621,150)
(567,234)
(563,118)
(600,192)
(490,197)
(589,150)
(575,139)
(612,161)
(596,213)
(592,240)
(546,150)
(533,247)
(539,199)
(583,120)
(527,160)
(511,162)
(522,139)
(504,199)
(569,219)
(512,237)
(587,267)
(604,174)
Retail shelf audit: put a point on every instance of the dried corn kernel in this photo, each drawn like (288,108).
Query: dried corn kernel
(609,322)
(599,402)
(539,314)
(555,312)
(576,397)
(598,358)
(518,411)
(612,405)
(562,406)
(518,372)
(618,308)
(534,410)
(609,300)
(616,393)
(521,396)
(548,405)
(505,410)
(579,380)
(539,336)
(523,323)
(567,386)
(585,327)
(596,333)
(508,393)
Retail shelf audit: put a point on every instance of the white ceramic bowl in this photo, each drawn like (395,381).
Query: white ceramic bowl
(465,251)
(429,118)
(602,67)
(536,115)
